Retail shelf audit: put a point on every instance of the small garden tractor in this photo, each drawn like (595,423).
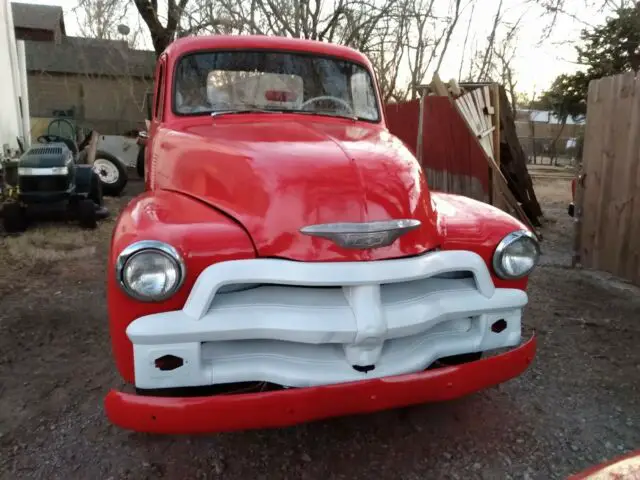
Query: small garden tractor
(111,170)
(47,179)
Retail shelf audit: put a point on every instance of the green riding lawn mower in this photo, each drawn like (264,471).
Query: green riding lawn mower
(111,171)
(50,179)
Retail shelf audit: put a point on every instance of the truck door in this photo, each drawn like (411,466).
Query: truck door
(154,123)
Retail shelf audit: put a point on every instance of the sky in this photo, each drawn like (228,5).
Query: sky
(536,63)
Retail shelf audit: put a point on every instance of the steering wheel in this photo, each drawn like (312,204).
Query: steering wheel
(347,107)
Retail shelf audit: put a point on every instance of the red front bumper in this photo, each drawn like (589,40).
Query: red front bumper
(297,405)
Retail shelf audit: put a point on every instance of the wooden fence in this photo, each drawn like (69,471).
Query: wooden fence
(608,216)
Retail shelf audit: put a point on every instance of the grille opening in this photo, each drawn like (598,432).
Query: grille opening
(268,294)
(47,150)
(499,326)
(455,275)
(241,287)
(166,363)
(208,390)
(363,368)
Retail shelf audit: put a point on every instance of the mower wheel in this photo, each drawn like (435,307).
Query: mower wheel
(87,213)
(95,190)
(140,162)
(112,173)
(14,219)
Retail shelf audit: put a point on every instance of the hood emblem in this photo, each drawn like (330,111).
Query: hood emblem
(362,235)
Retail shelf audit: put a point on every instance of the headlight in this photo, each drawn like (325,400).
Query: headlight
(516,255)
(150,271)
(44,171)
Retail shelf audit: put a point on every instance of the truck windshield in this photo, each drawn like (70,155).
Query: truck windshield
(210,82)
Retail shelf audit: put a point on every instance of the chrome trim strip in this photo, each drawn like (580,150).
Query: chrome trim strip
(363,235)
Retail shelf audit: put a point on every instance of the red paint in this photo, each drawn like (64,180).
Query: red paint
(625,467)
(447,145)
(402,121)
(276,173)
(467,224)
(234,187)
(573,189)
(202,235)
(297,405)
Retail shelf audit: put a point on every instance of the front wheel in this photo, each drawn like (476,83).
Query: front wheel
(112,173)
(140,162)
(14,219)
(87,214)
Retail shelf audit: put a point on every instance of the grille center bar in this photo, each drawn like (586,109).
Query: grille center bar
(371,324)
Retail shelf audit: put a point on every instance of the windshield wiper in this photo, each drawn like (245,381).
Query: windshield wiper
(326,114)
(243,110)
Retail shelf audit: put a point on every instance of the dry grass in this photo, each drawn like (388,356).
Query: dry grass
(553,191)
(55,247)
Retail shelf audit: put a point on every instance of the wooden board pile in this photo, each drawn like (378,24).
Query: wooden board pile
(488,115)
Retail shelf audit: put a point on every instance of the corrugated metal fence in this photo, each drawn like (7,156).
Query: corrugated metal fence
(451,158)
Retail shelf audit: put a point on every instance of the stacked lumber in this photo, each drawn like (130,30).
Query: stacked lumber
(487,113)
(514,162)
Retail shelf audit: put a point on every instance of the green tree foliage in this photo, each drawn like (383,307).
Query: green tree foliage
(567,96)
(614,47)
(605,50)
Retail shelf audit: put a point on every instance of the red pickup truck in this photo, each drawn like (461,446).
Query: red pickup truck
(288,262)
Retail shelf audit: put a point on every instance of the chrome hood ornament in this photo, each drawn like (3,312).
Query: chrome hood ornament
(362,235)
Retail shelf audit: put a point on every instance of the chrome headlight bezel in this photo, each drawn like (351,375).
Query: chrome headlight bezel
(501,249)
(150,246)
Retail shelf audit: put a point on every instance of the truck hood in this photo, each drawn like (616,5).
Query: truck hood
(276,177)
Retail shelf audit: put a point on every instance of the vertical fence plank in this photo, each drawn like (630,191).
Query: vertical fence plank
(591,167)
(625,173)
(631,246)
(615,190)
(600,253)
(633,266)
(610,233)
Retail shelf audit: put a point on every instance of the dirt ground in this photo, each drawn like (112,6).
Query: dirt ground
(577,405)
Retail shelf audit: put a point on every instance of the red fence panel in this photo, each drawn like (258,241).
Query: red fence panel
(452,160)
(402,121)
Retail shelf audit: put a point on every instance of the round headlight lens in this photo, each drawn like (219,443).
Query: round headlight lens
(150,271)
(516,255)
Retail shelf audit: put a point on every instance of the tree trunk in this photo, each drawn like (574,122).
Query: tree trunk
(532,131)
(161,42)
(554,145)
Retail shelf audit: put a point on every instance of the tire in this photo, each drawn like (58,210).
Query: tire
(14,219)
(140,162)
(87,214)
(95,190)
(112,173)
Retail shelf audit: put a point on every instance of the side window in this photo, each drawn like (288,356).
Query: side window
(159,100)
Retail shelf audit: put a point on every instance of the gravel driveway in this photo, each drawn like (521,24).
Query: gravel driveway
(578,404)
